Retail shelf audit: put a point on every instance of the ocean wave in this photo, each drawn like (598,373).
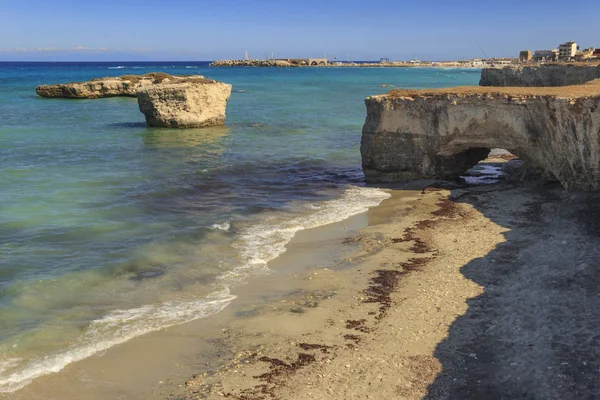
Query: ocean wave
(263,242)
(257,244)
(115,328)
(224,226)
(118,67)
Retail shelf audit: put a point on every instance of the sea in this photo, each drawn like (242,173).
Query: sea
(110,229)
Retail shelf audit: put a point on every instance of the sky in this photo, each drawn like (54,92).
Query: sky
(203,30)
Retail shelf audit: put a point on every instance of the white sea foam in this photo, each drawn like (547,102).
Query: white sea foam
(119,67)
(224,226)
(115,328)
(258,244)
(261,243)
(487,174)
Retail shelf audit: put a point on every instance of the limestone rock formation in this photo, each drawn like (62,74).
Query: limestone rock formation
(411,134)
(540,75)
(185,104)
(127,85)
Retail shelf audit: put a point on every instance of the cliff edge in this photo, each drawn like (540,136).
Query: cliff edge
(413,134)
(540,75)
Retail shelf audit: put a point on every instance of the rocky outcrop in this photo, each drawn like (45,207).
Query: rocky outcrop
(540,75)
(411,134)
(252,63)
(189,103)
(127,85)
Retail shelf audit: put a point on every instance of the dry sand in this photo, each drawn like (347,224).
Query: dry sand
(485,292)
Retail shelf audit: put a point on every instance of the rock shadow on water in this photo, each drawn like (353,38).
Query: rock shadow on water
(533,332)
(128,125)
(163,138)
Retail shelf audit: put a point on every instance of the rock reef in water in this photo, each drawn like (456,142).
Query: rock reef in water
(126,86)
(540,75)
(189,103)
(252,63)
(413,134)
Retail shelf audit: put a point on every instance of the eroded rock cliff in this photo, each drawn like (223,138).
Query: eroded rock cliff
(185,104)
(411,134)
(540,75)
(126,85)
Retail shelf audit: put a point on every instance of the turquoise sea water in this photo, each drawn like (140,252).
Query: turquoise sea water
(110,229)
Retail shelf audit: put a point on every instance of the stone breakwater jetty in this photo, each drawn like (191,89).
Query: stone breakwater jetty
(540,75)
(287,62)
(414,134)
(169,101)
(251,63)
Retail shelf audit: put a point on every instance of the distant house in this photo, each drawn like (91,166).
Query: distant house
(567,51)
(584,55)
(525,56)
(500,61)
(545,55)
(478,63)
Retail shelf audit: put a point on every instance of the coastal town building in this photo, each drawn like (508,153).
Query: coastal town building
(567,51)
(477,63)
(545,55)
(525,56)
(584,55)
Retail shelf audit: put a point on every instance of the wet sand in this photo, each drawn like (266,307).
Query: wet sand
(159,363)
(441,292)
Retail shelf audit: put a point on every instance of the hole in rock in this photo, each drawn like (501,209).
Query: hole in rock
(496,166)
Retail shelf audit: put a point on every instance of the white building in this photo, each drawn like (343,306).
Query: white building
(566,51)
(478,63)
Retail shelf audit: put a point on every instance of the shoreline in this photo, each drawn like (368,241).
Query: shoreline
(109,371)
(448,297)
(413,299)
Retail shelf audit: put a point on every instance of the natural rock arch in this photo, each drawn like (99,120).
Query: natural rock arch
(441,133)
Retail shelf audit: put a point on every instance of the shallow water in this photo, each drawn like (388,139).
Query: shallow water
(110,229)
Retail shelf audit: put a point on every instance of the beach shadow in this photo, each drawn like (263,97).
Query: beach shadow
(534,332)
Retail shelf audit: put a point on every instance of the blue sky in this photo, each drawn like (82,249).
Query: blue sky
(198,30)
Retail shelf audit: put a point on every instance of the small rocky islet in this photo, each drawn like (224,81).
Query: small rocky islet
(168,101)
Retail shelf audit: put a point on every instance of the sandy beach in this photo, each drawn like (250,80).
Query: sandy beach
(442,292)
(466,292)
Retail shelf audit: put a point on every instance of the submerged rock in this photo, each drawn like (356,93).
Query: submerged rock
(126,85)
(192,103)
(413,134)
